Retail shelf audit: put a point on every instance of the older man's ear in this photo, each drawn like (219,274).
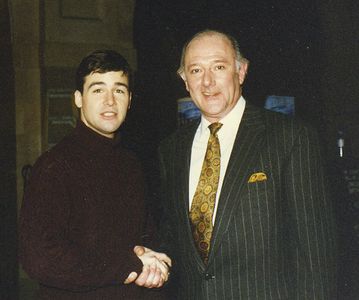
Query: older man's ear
(243,69)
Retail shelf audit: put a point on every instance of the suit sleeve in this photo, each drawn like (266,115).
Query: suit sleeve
(310,221)
(167,232)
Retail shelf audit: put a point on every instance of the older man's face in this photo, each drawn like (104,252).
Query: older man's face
(212,76)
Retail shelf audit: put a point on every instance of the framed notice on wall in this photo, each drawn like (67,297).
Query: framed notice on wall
(61,115)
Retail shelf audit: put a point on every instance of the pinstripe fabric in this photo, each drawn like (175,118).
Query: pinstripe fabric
(272,239)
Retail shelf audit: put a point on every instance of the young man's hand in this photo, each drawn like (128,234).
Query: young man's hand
(155,269)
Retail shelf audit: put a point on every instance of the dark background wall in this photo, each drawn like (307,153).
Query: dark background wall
(8,209)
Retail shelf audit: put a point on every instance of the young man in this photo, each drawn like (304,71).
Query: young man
(83,211)
(246,211)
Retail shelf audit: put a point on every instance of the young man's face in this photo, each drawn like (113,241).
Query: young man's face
(212,76)
(104,101)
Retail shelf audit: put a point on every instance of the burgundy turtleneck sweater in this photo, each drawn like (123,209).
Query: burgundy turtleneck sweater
(83,213)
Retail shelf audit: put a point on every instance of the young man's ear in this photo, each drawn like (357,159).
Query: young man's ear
(129,102)
(78,99)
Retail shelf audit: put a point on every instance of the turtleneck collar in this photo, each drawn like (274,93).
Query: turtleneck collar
(94,141)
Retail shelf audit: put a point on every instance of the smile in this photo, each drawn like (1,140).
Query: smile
(210,93)
(210,96)
(109,113)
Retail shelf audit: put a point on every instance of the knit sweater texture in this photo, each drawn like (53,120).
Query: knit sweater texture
(82,214)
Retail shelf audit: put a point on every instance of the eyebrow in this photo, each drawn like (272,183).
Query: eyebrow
(216,61)
(102,83)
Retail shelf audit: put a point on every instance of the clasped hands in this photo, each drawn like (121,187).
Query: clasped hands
(155,270)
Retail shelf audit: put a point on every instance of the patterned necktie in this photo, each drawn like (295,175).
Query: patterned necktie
(205,196)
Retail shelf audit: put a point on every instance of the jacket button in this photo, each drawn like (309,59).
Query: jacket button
(208,276)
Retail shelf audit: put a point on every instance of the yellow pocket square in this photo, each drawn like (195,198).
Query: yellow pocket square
(260,176)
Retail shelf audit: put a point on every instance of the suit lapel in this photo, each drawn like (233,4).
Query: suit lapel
(244,153)
(183,160)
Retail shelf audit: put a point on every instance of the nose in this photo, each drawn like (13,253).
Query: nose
(110,99)
(208,78)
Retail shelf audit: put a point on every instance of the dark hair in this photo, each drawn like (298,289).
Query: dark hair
(102,61)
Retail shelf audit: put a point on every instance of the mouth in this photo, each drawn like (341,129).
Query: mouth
(210,95)
(108,114)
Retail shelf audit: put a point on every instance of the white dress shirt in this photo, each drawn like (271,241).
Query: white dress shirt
(226,135)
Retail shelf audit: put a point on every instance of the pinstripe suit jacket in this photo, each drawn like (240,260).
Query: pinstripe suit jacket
(272,239)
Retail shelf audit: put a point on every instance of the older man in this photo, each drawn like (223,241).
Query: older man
(246,211)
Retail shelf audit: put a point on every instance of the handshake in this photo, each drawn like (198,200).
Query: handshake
(155,270)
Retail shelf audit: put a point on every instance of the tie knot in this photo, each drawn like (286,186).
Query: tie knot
(214,127)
